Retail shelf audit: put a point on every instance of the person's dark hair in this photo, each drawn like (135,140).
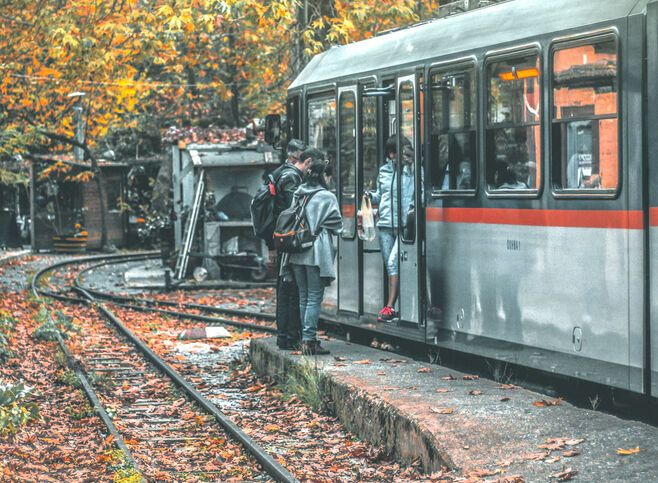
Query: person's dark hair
(315,173)
(391,145)
(295,145)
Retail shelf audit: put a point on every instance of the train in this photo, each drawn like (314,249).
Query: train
(534,240)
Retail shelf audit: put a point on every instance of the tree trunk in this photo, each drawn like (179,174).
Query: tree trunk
(307,12)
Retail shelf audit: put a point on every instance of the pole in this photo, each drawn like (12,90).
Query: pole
(78,152)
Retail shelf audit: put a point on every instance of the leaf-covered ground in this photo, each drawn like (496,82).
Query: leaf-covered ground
(68,443)
(312,445)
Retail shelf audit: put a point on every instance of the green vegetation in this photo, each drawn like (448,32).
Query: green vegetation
(50,326)
(15,408)
(81,411)
(124,472)
(306,382)
(7,325)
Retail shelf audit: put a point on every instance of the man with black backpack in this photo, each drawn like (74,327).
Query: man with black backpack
(283,183)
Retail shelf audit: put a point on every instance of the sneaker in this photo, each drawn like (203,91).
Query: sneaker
(313,348)
(387,314)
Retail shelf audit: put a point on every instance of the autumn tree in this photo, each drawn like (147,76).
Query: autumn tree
(162,63)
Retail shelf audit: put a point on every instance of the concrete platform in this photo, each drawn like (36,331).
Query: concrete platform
(145,277)
(478,428)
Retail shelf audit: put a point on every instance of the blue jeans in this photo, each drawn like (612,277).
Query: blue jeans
(388,242)
(311,293)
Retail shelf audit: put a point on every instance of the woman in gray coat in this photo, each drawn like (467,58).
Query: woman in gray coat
(314,268)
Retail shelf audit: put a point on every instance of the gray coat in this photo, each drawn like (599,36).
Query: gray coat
(324,219)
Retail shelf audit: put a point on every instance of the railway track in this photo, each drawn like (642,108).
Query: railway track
(259,321)
(175,426)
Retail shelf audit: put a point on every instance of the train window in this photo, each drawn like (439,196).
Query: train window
(514,124)
(585,130)
(347,143)
(452,135)
(322,132)
(369,142)
(406,168)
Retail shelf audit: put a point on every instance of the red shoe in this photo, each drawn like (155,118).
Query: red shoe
(387,314)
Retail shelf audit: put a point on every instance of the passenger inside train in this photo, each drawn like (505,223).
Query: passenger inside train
(386,196)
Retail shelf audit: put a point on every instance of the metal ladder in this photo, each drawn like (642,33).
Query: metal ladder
(190,228)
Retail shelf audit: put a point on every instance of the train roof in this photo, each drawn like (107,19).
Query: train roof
(500,23)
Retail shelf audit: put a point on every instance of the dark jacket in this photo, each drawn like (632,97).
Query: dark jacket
(289,179)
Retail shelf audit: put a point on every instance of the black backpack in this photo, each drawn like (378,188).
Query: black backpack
(292,233)
(264,209)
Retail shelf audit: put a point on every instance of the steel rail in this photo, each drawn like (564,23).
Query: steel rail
(201,318)
(88,389)
(152,302)
(271,466)
(121,301)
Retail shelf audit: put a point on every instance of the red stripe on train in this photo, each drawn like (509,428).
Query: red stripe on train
(621,219)
(653,216)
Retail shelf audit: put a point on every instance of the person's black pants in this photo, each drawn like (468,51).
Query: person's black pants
(288,322)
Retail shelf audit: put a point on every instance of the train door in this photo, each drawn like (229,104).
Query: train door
(409,206)
(371,266)
(348,243)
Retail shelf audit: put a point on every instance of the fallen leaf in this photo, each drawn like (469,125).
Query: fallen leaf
(565,475)
(391,388)
(571,454)
(507,386)
(505,463)
(475,392)
(381,373)
(442,410)
(535,456)
(340,359)
(510,479)
(553,459)
(468,377)
(626,452)
(545,403)
(272,428)
(424,369)
(573,442)
(552,446)
(443,390)
(504,399)
(448,378)
(296,353)
(339,364)
(483,473)
(364,361)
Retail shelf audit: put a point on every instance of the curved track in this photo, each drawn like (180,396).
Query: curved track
(91,297)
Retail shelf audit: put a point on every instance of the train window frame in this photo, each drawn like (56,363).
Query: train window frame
(353,91)
(555,170)
(412,79)
(363,84)
(319,94)
(501,56)
(293,102)
(455,67)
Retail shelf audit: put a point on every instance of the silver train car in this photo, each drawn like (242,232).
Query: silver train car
(534,238)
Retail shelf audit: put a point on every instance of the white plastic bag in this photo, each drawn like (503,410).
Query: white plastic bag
(367,226)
